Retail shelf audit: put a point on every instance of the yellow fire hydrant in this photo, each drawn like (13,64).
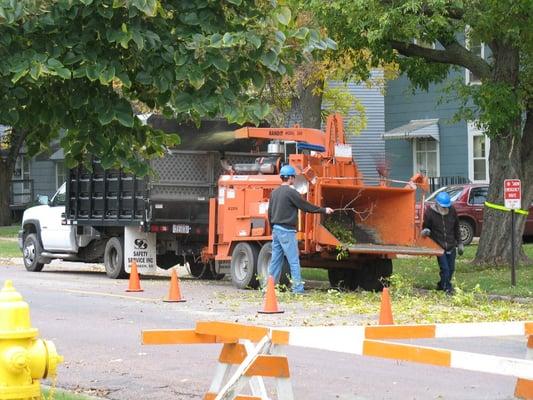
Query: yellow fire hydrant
(24,359)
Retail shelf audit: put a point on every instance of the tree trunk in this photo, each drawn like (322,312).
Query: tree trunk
(307,106)
(311,105)
(510,157)
(7,166)
(5,178)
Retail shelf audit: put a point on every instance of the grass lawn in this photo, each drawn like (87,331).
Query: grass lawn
(9,248)
(9,231)
(423,272)
(58,394)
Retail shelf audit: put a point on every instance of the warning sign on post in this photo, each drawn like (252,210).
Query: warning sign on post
(512,193)
(141,247)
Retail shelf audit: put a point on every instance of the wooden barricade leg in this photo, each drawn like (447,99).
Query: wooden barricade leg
(231,354)
(283,384)
(234,354)
(524,387)
(259,363)
(238,380)
(256,382)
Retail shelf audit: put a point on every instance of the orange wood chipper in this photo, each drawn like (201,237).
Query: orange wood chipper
(380,219)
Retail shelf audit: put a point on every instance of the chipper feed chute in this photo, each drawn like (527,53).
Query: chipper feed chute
(372,220)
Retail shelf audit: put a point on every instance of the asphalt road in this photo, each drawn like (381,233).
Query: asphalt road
(96,326)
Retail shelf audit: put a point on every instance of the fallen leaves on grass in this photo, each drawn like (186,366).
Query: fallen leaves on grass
(409,306)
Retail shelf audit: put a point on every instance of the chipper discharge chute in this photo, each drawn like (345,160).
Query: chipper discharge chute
(371,224)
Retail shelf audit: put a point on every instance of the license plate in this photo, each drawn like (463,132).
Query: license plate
(181,228)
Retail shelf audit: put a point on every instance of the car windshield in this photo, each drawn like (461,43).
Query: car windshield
(453,191)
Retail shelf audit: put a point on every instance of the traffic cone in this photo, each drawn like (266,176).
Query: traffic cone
(385,313)
(271,303)
(134,283)
(174,292)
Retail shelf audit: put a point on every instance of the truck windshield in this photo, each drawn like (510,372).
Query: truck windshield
(59,197)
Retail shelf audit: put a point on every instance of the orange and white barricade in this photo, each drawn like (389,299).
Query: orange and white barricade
(524,387)
(265,357)
(255,351)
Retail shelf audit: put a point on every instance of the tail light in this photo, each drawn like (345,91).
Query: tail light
(159,228)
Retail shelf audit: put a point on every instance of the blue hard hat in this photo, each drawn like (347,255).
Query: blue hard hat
(443,199)
(287,170)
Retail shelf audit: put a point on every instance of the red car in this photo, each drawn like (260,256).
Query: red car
(468,200)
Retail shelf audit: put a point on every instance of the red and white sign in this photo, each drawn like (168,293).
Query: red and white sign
(512,193)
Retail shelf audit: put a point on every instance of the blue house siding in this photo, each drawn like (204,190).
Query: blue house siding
(368,147)
(401,106)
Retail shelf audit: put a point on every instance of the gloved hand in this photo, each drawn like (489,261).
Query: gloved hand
(425,232)
(460,249)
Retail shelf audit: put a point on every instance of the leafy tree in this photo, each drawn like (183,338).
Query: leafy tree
(502,104)
(79,65)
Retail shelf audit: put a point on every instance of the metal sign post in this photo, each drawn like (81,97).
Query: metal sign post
(512,195)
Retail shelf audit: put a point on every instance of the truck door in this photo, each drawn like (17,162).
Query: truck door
(54,235)
(476,199)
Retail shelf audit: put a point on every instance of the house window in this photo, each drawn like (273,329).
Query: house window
(426,157)
(478,155)
(60,173)
(478,48)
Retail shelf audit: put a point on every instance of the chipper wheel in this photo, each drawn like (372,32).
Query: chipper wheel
(244,265)
(369,275)
(263,261)
(375,273)
(343,278)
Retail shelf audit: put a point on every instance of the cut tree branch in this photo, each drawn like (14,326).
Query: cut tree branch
(453,54)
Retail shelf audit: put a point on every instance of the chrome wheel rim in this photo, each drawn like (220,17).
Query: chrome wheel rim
(465,233)
(242,264)
(29,253)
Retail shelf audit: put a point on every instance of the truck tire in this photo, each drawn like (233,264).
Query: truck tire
(114,258)
(375,274)
(263,261)
(466,229)
(31,252)
(343,278)
(244,265)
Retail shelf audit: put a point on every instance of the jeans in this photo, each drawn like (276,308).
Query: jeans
(447,268)
(284,243)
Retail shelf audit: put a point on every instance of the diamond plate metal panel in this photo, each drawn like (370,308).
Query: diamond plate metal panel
(182,167)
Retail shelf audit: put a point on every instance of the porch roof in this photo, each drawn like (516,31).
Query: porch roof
(415,129)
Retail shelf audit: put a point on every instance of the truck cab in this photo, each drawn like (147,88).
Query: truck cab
(44,233)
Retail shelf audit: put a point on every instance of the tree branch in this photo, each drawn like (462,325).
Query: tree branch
(453,54)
